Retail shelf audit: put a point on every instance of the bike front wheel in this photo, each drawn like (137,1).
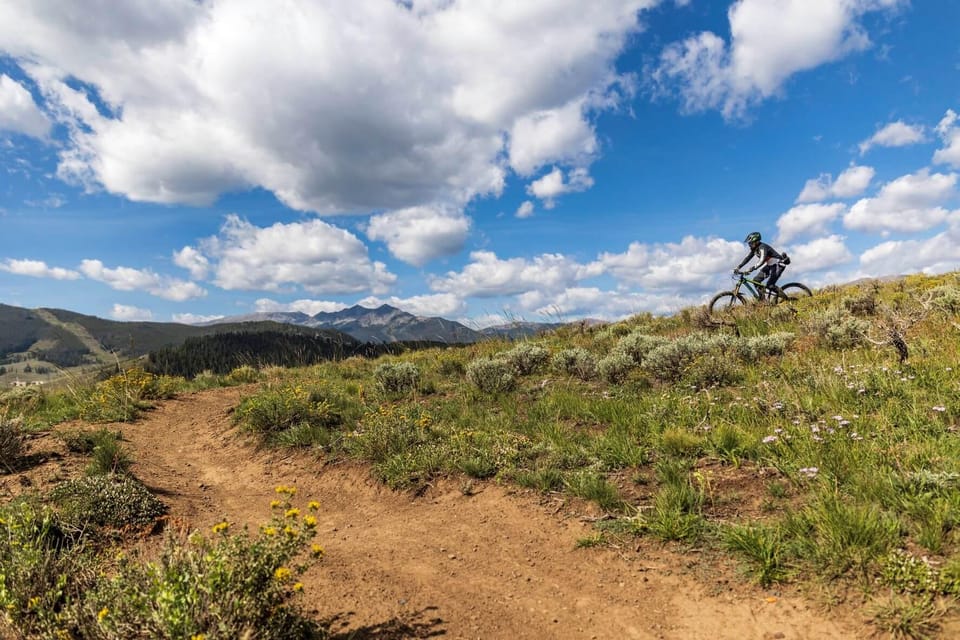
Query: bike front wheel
(794,291)
(725,301)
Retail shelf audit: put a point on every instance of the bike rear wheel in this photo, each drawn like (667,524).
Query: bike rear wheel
(794,291)
(725,301)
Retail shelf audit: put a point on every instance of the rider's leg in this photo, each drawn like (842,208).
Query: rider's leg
(775,272)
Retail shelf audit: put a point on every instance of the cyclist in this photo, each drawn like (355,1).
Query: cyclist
(770,262)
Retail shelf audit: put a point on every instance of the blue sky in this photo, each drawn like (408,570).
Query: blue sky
(482,161)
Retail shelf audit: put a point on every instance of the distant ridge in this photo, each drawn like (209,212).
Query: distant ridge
(388,324)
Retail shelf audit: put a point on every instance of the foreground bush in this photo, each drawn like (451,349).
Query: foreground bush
(122,397)
(491,375)
(221,585)
(112,500)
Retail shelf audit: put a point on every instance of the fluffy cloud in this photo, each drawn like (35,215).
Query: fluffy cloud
(525,210)
(489,276)
(419,234)
(18,111)
(442,304)
(770,41)
(693,264)
(807,219)
(910,203)
(819,254)
(592,302)
(193,261)
(192,318)
(37,269)
(309,307)
(937,254)
(852,182)
(129,279)
(553,185)
(950,135)
(176,108)
(129,314)
(895,134)
(317,256)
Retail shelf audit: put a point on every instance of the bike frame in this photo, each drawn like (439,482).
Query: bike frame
(755,287)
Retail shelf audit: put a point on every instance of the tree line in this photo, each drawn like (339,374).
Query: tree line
(223,352)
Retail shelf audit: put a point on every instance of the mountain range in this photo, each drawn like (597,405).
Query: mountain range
(389,324)
(65,338)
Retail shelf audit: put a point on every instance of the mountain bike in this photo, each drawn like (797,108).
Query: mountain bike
(726,300)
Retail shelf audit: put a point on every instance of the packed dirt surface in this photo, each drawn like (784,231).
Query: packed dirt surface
(452,561)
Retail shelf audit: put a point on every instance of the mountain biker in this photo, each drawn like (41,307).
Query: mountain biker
(771,262)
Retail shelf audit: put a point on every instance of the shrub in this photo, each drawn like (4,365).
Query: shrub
(638,344)
(616,367)
(947,298)
(39,570)
(837,329)
(243,374)
(491,375)
(755,347)
(122,397)
(862,304)
(276,409)
(11,444)
(526,358)
(113,501)
(713,370)
(400,377)
(576,362)
(451,367)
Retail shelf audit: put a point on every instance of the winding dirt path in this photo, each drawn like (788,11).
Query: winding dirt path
(494,564)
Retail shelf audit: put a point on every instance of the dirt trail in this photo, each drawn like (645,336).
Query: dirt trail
(495,564)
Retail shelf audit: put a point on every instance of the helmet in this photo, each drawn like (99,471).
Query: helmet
(752,238)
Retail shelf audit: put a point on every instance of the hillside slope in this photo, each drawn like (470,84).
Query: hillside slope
(497,563)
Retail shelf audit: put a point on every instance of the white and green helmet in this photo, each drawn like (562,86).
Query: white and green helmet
(752,238)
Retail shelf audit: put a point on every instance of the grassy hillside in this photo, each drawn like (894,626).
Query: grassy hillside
(815,444)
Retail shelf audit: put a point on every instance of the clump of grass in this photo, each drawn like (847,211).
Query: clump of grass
(593,486)
(491,375)
(244,374)
(526,358)
(677,506)
(762,546)
(108,456)
(397,377)
(113,501)
(543,480)
(907,617)
(12,445)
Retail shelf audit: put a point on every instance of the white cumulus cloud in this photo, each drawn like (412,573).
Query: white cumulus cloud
(949,133)
(185,100)
(193,318)
(431,305)
(37,269)
(807,219)
(419,234)
(18,111)
(693,264)
(770,41)
(937,254)
(895,134)
(307,306)
(314,255)
(910,203)
(819,254)
(130,279)
(488,276)
(129,313)
(852,182)
(193,261)
(552,185)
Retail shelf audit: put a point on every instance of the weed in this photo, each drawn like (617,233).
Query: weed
(108,455)
(594,487)
(11,444)
(243,374)
(909,617)
(760,545)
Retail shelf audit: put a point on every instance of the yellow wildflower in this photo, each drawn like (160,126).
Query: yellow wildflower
(198,636)
(292,513)
(275,503)
(298,587)
(317,551)
(34,602)
(269,531)
(221,527)
(313,505)
(103,614)
(310,521)
(290,531)
(282,574)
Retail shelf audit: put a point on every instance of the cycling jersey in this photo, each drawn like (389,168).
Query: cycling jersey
(765,253)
